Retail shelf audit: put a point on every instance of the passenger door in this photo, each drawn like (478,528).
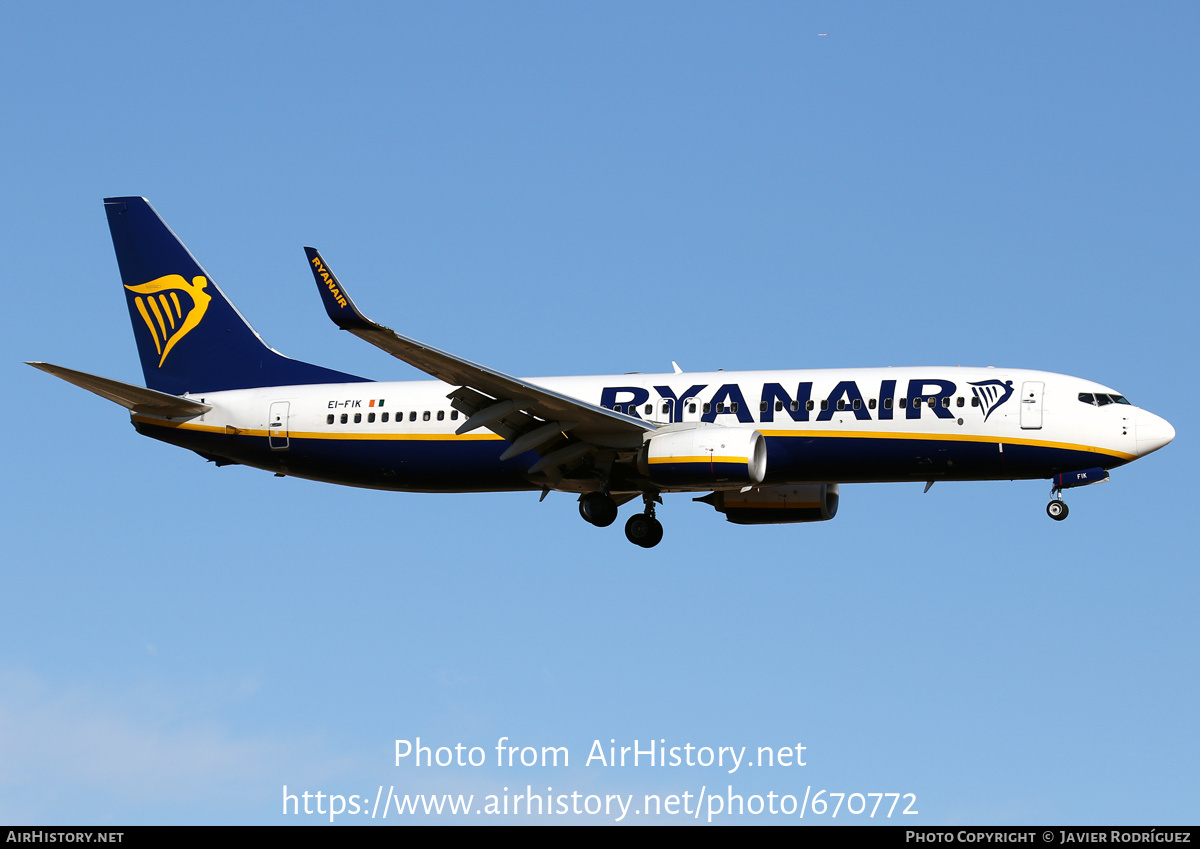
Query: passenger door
(277,425)
(1031,404)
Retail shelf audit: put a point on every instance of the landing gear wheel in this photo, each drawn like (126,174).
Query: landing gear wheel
(598,508)
(1057,510)
(643,530)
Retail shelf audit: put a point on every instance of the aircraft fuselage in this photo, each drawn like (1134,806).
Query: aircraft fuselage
(849,426)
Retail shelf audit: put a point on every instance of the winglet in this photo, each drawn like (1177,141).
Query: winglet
(337,303)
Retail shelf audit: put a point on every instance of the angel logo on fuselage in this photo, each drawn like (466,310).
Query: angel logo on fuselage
(991,394)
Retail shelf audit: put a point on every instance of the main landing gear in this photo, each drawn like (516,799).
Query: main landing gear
(599,509)
(642,528)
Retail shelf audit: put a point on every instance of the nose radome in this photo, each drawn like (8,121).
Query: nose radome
(1153,432)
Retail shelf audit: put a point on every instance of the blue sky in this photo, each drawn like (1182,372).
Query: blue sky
(602,188)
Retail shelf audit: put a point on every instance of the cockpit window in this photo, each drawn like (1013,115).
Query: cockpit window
(1100,399)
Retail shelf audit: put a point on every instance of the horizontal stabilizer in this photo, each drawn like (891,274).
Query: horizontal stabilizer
(136,398)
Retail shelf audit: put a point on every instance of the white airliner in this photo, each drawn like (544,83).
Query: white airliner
(764,447)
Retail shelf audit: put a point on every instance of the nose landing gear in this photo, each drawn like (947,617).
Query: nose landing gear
(1057,508)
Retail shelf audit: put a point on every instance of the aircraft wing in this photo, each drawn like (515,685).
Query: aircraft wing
(527,414)
(136,398)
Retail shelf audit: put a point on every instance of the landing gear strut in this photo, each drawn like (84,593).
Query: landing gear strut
(642,528)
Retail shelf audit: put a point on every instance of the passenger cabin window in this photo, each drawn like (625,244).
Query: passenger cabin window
(960,401)
(871,404)
(441,415)
(371,418)
(345,418)
(916,402)
(841,403)
(649,409)
(707,407)
(794,406)
(425,416)
(384,418)
(825,404)
(809,406)
(357,418)
(691,408)
(412,417)
(454,415)
(858,403)
(974,402)
(329,419)
(903,403)
(945,401)
(887,403)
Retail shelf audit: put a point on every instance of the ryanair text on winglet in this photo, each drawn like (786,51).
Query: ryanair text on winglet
(329,281)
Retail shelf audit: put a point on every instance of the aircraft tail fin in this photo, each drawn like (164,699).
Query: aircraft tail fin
(190,337)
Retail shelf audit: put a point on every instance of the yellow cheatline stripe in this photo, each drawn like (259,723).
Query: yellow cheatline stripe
(295,434)
(149,323)
(949,437)
(703,459)
(773,505)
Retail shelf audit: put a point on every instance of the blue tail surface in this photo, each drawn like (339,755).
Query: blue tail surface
(190,337)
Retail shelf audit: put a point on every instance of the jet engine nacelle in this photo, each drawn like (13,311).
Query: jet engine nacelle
(704,456)
(777,505)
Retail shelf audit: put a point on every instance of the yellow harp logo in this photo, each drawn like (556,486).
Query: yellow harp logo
(165,317)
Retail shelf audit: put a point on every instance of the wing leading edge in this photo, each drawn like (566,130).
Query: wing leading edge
(560,428)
